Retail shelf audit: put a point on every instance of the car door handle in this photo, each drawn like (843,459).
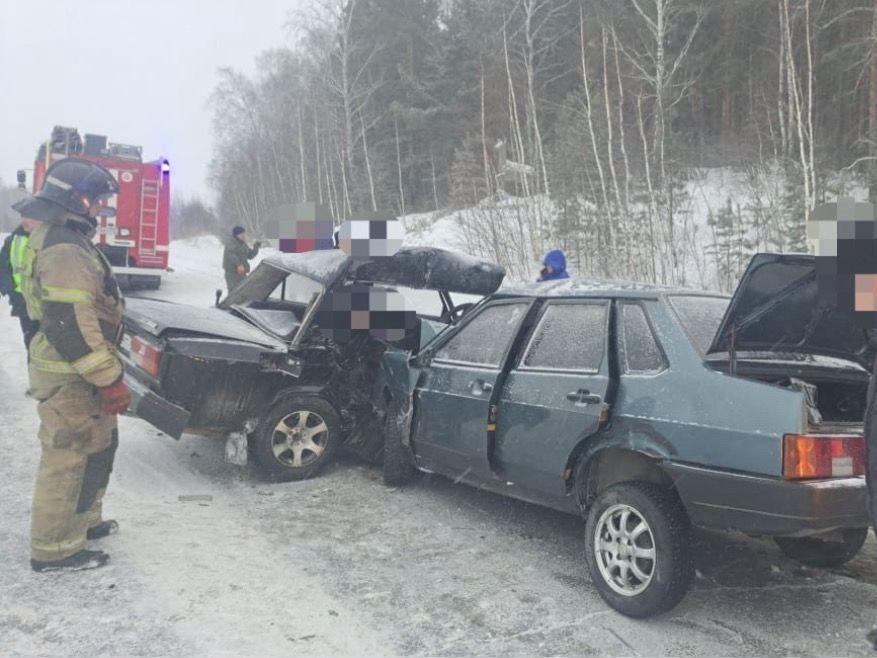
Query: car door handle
(479,386)
(583,396)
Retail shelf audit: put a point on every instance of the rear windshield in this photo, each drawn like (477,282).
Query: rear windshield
(700,317)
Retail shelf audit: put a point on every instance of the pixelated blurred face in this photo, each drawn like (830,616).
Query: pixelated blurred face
(359,320)
(300,227)
(362,239)
(866,292)
(843,236)
(822,236)
(360,309)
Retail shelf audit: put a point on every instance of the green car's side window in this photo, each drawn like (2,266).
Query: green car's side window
(569,337)
(484,340)
(700,317)
(641,350)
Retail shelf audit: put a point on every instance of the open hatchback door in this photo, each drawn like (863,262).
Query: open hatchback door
(776,309)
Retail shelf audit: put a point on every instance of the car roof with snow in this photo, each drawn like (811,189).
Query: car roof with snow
(598,288)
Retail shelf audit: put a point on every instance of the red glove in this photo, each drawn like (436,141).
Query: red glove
(241,269)
(115,398)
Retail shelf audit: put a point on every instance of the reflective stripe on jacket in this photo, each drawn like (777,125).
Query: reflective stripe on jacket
(70,289)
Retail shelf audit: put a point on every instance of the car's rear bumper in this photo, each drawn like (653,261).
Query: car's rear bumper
(154,409)
(770,506)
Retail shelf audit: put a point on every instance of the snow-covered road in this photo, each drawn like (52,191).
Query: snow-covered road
(341,565)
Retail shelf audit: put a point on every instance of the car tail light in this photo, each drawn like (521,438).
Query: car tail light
(823,456)
(146,355)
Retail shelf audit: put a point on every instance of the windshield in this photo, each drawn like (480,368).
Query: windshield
(256,287)
(271,283)
(423,302)
(700,316)
(296,288)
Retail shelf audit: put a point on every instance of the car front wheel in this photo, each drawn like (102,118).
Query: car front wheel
(825,553)
(638,548)
(297,438)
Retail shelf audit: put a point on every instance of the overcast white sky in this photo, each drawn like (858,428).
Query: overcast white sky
(138,71)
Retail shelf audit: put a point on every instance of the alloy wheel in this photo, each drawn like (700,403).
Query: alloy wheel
(624,547)
(299,438)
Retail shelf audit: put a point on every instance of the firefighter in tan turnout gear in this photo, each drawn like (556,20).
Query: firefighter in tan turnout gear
(75,373)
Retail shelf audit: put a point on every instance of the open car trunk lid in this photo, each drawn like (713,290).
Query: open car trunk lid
(775,309)
(157,317)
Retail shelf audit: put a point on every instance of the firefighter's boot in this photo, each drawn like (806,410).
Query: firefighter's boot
(102,529)
(80,561)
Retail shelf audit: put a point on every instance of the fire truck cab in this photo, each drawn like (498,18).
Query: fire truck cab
(133,228)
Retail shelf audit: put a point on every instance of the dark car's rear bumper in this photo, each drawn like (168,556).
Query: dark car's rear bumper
(770,506)
(154,409)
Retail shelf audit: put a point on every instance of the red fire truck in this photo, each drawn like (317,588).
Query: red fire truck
(133,230)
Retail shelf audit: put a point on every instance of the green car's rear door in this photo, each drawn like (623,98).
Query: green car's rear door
(554,395)
(453,394)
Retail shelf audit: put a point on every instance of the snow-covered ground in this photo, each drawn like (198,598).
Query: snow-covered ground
(341,565)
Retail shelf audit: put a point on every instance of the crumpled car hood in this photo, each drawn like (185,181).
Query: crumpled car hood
(156,317)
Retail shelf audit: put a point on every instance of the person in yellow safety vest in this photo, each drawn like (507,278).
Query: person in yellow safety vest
(11,264)
(75,372)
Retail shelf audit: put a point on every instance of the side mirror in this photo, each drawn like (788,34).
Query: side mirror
(218,294)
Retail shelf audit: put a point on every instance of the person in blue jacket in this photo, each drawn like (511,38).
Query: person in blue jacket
(554,266)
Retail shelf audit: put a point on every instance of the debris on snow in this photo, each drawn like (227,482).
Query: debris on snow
(195,498)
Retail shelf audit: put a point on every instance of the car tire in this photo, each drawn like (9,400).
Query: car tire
(297,438)
(816,552)
(639,586)
(398,467)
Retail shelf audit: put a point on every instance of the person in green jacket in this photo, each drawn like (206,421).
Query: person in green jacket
(236,257)
(11,268)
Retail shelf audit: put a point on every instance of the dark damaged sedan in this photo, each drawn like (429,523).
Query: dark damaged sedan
(649,410)
(263,371)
